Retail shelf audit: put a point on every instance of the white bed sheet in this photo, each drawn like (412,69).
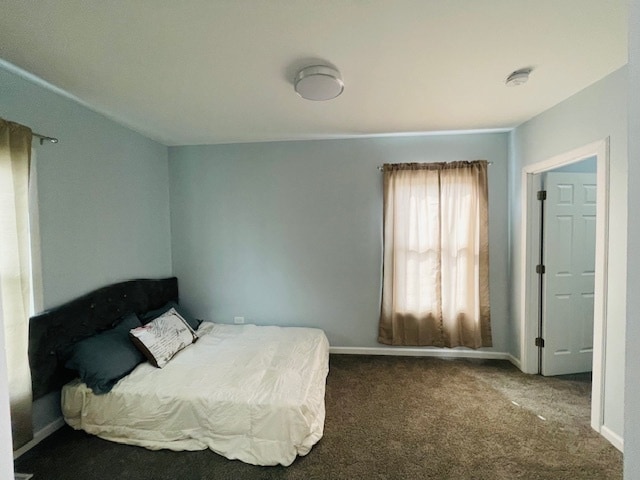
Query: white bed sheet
(252,393)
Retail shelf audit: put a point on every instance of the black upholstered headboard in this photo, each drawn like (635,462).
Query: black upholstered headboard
(54,331)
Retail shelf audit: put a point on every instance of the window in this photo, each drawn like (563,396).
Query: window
(436,282)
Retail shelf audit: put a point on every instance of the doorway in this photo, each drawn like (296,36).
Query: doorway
(530,257)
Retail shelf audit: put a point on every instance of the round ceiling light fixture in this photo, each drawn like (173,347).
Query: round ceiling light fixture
(518,77)
(318,82)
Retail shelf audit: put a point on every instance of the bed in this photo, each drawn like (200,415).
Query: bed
(252,393)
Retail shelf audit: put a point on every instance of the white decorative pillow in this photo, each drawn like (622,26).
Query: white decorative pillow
(162,338)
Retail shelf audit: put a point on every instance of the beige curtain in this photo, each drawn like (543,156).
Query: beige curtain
(15,154)
(436,255)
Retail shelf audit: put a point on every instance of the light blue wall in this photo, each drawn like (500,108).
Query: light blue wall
(103,193)
(289,233)
(103,199)
(632,379)
(598,112)
(588,165)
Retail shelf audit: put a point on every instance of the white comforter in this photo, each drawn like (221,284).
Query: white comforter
(247,392)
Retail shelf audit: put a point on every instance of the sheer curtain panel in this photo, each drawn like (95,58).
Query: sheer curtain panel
(436,255)
(15,295)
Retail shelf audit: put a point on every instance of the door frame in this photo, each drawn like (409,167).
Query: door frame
(529,258)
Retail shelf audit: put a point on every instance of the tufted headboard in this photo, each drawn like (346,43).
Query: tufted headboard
(54,331)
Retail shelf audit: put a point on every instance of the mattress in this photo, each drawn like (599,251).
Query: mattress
(252,393)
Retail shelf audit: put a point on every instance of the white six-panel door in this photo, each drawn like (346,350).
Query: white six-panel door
(568,285)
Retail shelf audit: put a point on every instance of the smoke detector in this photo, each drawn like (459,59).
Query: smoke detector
(518,77)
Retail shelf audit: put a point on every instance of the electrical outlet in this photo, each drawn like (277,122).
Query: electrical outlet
(238,319)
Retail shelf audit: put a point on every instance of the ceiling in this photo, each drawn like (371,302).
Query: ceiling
(205,71)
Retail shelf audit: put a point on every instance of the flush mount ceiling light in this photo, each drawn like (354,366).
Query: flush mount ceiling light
(518,77)
(318,82)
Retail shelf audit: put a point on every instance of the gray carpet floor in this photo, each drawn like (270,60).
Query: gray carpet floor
(391,418)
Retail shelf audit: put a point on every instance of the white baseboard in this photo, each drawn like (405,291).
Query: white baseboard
(615,439)
(515,361)
(39,436)
(422,352)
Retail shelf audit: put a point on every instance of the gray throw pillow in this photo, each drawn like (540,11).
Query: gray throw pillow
(103,359)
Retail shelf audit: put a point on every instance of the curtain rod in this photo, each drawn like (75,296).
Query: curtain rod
(381,167)
(44,138)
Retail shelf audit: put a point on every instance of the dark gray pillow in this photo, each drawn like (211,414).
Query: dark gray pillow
(103,359)
(153,314)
